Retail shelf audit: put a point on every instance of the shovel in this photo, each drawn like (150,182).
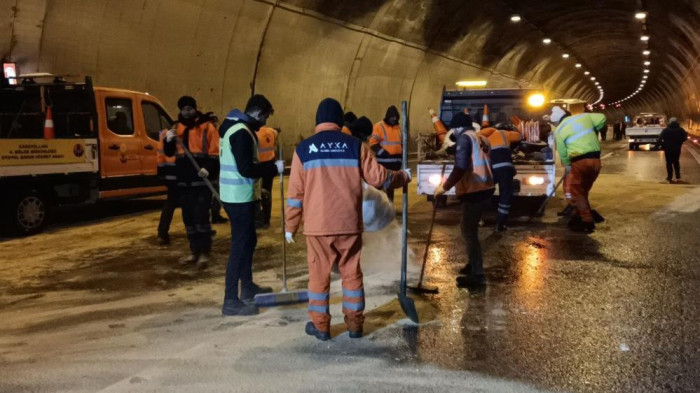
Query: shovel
(407,305)
(540,211)
(420,288)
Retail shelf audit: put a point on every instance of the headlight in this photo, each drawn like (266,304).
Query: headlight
(536,100)
(630,140)
(535,180)
(435,180)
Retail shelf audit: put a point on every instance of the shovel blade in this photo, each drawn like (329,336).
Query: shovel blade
(408,307)
(422,289)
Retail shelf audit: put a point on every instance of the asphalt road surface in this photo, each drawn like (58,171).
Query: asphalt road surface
(93,304)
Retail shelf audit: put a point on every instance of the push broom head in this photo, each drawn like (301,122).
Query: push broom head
(281,298)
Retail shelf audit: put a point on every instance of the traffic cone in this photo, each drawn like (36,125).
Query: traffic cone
(48,125)
(439,126)
(485,118)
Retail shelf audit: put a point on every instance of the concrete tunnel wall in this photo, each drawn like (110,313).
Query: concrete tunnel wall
(367,54)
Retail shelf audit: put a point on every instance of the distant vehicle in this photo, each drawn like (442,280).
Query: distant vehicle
(533,158)
(104,147)
(645,130)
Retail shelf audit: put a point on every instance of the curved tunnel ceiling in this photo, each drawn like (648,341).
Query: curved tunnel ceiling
(368,54)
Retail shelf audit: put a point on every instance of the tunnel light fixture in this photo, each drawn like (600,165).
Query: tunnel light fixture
(565,55)
(547,41)
(644,37)
(646,71)
(593,78)
(473,83)
(647,63)
(515,18)
(645,76)
(640,15)
(578,65)
(587,73)
(646,52)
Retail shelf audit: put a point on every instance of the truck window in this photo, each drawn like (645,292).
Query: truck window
(120,118)
(155,119)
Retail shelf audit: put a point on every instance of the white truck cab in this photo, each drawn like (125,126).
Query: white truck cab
(645,130)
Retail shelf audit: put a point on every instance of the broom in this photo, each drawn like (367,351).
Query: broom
(286,296)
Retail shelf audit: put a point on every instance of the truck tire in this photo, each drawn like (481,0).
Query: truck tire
(27,213)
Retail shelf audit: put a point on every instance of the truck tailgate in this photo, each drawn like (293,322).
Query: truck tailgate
(22,157)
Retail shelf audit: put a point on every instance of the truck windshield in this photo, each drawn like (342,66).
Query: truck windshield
(23,112)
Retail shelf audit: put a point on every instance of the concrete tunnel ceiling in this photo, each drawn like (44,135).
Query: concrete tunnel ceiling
(367,54)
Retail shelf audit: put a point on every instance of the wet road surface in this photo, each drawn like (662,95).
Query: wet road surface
(93,305)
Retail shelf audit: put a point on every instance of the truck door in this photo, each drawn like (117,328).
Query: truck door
(120,146)
(154,119)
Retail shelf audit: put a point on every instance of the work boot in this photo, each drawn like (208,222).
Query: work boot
(248,293)
(471,281)
(566,212)
(597,218)
(192,258)
(164,240)
(203,261)
(312,331)
(357,334)
(236,307)
(219,220)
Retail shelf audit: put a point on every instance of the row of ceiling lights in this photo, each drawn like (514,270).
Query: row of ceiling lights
(641,16)
(547,41)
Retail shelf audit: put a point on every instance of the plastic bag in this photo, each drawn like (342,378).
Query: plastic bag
(377,211)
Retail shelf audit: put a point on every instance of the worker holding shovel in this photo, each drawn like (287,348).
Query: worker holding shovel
(325,187)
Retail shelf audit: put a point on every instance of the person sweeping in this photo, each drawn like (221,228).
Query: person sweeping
(325,190)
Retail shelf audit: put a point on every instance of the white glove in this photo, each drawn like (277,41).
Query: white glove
(289,237)
(280,166)
(439,190)
(170,135)
(567,170)
(407,171)
(203,173)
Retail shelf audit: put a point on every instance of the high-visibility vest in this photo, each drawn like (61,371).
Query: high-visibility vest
(166,165)
(234,187)
(345,130)
(481,177)
(266,140)
(388,137)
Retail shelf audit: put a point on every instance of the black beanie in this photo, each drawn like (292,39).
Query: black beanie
(349,118)
(392,111)
(259,102)
(186,101)
(462,120)
(329,111)
(361,128)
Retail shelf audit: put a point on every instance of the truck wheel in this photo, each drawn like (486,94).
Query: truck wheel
(28,213)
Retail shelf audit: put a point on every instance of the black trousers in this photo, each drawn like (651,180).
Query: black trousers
(195,202)
(673,162)
(392,166)
(263,215)
(504,178)
(473,206)
(243,243)
(604,134)
(172,202)
(215,204)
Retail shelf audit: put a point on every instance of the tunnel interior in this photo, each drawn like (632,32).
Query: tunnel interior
(367,54)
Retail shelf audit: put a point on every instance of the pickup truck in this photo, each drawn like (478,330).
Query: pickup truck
(533,159)
(104,146)
(645,130)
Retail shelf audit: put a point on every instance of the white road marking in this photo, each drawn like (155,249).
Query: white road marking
(606,156)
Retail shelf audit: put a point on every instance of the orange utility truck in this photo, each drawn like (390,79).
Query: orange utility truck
(68,143)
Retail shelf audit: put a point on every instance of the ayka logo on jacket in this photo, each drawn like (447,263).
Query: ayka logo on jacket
(328,147)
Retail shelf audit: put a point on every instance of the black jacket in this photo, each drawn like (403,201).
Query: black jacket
(672,137)
(242,146)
